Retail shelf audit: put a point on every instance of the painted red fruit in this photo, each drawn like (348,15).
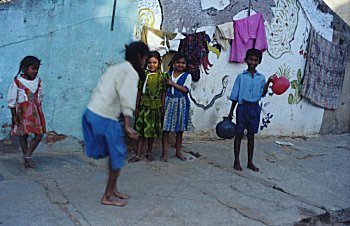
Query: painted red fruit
(280,85)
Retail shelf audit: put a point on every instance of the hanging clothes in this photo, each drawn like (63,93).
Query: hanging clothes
(248,33)
(161,41)
(195,48)
(224,33)
(324,71)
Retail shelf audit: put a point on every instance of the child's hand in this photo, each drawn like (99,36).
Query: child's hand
(131,132)
(170,82)
(272,77)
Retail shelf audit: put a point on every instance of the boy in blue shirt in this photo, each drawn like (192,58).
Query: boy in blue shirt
(247,91)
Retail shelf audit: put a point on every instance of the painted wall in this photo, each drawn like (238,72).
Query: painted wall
(287,25)
(75,43)
(73,38)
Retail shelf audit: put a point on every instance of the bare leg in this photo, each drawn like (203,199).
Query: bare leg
(137,157)
(165,146)
(178,146)
(34,143)
(109,197)
(250,148)
(237,149)
(32,146)
(23,142)
(149,155)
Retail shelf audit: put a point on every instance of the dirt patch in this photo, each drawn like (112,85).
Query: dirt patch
(52,137)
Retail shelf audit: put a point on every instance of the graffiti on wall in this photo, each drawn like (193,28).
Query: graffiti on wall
(304,43)
(280,32)
(149,14)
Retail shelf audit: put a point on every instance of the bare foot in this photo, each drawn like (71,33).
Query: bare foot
(253,167)
(113,201)
(29,163)
(120,195)
(164,158)
(181,157)
(237,166)
(134,159)
(149,157)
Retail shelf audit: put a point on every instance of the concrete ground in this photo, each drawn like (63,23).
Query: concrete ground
(304,184)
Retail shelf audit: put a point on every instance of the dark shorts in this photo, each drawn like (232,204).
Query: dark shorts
(103,137)
(248,117)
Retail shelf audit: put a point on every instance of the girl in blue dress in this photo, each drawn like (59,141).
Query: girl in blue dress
(177,116)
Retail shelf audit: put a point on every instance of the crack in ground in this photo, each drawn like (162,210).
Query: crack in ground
(244,213)
(51,186)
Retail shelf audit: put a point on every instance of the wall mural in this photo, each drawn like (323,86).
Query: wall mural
(304,44)
(224,82)
(208,13)
(281,14)
(149,14)
(296,85)
(280,32)
(283,70)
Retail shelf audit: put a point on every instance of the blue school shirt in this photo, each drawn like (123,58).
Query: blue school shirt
(248,88)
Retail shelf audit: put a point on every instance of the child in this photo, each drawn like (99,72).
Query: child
(177,116)
(24,100)
(247,91)
(115,94)
(149,106)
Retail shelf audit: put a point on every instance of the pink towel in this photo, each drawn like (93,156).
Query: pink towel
(249,33)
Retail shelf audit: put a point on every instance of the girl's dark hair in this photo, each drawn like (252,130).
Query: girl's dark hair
(156,55)
(254,52)
(177,56)
(134,52)
(26,62)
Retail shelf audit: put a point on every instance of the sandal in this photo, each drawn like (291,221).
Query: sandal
(149,157)
(134,159)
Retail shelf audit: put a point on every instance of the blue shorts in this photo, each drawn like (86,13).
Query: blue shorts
(103,137)
(248,117)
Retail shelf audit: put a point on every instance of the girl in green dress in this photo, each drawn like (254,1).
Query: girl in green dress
(149,106)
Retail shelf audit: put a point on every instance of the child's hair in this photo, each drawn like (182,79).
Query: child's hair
(254,52)
(177,56)
(133,53)
(26,62)
(156,55)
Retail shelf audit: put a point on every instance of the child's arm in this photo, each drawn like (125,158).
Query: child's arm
(14,116)
(266,86)
(12,100)
(128,129)
(182,89)
(162,109)
(233,105)
(138,98)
